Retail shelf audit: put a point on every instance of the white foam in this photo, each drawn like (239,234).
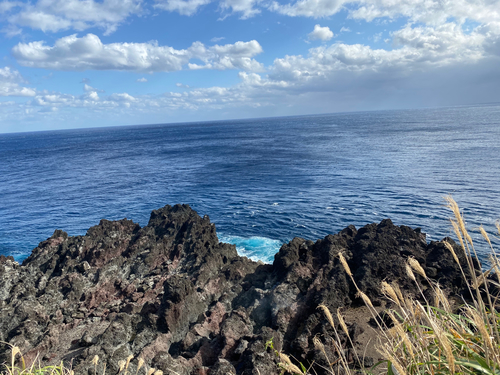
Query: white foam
(255,247)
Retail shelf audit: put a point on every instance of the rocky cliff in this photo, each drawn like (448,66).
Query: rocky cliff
(186,303)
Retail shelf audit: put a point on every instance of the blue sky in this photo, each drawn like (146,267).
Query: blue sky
(83,63)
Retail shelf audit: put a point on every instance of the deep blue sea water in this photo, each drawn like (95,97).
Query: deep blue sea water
(261,181)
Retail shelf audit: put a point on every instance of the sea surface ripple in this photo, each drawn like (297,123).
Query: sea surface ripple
(261,181)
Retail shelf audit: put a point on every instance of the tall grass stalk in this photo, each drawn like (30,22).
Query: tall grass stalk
(431,339)
(62,369)
(434,338)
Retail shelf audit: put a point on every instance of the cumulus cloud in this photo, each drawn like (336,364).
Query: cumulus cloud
(183,7)
(247,8)
(10,84)
(56,15)
(426,11)
(88,52)
(41,20)
(442,43)
(309,8)
(194,99)
(422,50)
(93,96)
(342,66)
(142,79)
(320,33)
(6,6)
(229,56)
(88,88)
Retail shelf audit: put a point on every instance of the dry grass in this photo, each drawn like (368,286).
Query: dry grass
(62,369)
(430,338)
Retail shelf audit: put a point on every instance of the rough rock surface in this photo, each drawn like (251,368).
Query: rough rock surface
(172,294)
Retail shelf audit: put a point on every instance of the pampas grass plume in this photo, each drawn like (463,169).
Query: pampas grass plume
(415,265)
(328,314)
(129,358)
(389,291)
(344,264)
(140,364)
(342,322)
(409,272)
(452,251)
(365,299)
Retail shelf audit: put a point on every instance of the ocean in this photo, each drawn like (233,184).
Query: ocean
(261,181)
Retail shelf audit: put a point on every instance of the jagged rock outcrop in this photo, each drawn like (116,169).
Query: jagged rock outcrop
(172,294)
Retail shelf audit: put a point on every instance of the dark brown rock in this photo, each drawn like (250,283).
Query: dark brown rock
(172,294)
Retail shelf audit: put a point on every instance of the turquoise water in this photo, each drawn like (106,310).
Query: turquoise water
(255,248)
(261,181)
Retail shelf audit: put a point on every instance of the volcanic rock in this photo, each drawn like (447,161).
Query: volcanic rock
(172,294)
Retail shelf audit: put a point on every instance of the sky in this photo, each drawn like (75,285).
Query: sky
(86,63)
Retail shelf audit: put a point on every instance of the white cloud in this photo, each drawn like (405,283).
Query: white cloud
(142,79)
(123,97)
(41,20)
(6,6)
(377,37)
(441,44)
(88,52)
(309,8)
(256,81)
(183,7)
(217,39)
(417,49)
(10,84)
(427,11)
(56,15)
(229,56)
(88,88)
(246,8)
(93,95)
(345,30)
(320,33)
